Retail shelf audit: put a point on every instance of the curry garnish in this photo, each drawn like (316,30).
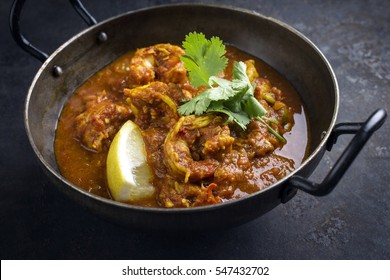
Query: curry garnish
(204,59)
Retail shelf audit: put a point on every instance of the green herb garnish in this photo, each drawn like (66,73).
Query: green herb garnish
(203,60)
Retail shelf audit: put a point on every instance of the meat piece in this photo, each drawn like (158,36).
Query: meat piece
(251,70)
(152,105)
(256,140)
(158,63)
(217,138)
(174,194)
(234,168)
(191,143)
(97,126)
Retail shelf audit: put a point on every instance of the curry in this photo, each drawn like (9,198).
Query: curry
(196,160)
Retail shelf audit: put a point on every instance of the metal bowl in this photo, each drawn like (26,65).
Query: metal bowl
(278,44)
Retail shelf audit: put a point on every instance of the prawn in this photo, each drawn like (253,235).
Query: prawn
(191,144)
(96,127)
(151,105)
(160,62)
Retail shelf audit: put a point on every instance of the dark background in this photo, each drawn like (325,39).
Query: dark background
(353,222)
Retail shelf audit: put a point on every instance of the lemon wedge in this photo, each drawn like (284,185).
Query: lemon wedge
(128,173)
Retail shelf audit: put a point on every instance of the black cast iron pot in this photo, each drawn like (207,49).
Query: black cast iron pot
(281,46)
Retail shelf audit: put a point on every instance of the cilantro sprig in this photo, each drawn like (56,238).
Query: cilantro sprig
(204,59)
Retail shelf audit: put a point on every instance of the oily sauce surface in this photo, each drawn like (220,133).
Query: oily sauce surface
(232,164)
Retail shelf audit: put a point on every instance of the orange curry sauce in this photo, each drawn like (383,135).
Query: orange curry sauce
(245,166)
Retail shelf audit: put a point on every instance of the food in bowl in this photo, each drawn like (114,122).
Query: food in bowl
(166,126)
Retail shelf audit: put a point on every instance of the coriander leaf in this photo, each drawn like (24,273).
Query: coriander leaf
(220,93)
(198,77)
(241,119)
(204,58)
(253,108)
(195,45)
(202,105)
(197,104)
(187,108)
(214,80)
(239,72)
(224,90)
(214,58)
(234,104)
(241,83)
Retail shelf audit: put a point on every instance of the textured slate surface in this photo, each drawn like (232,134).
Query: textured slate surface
(353,222)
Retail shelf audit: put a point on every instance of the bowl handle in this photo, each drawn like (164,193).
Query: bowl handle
(362,131)
(14,18)
(82,11)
